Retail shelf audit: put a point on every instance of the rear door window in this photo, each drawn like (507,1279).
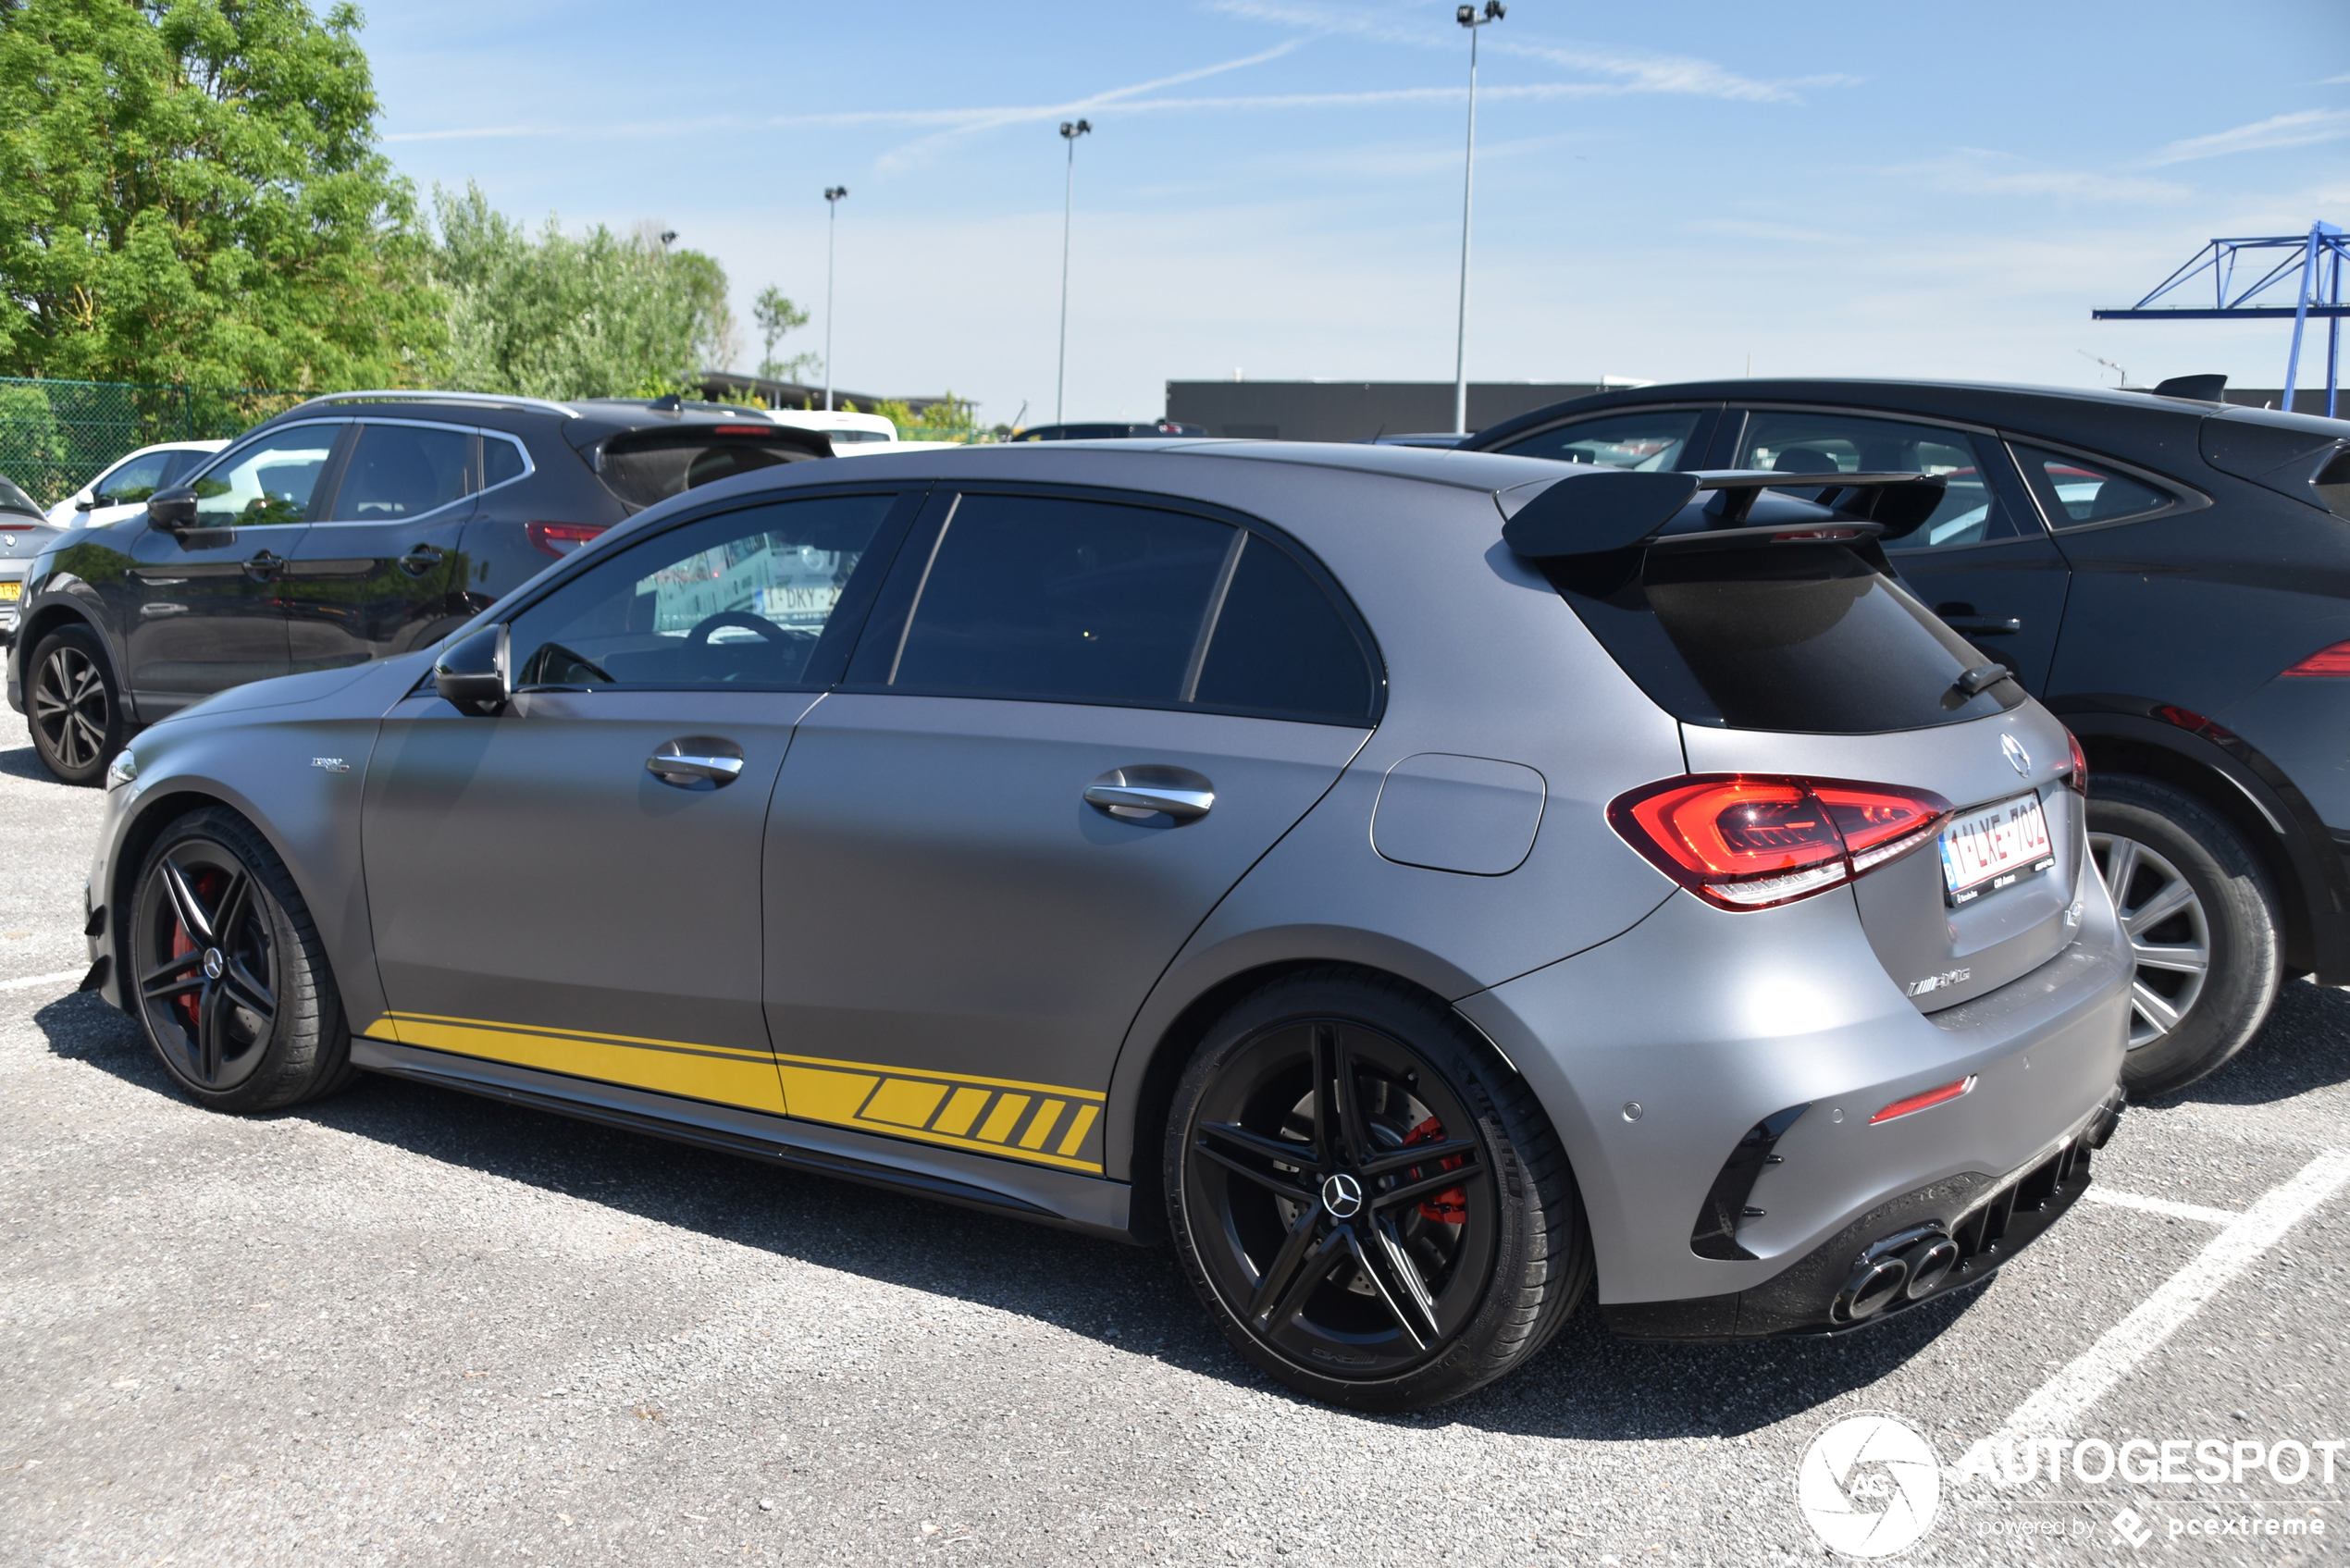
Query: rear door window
(1782,442)
(2075,491)
(399,470)
(1652,440)
(1279,644)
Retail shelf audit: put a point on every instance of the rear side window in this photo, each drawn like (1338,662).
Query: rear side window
(645,466)
(2075,491)
(1076,600)
(501,459)
(1079,600)
(1793,638)
(1652,440)
(1808,442)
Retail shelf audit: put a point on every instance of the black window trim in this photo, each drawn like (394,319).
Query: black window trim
(891,619)
(2184,498)
(2012,484)
(889,541)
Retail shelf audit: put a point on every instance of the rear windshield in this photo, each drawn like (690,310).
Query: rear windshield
(646,467)
(15,500)
(1800,638)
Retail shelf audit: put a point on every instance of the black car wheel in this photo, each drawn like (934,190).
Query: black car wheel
(1374,1211)
(2203,927)
(226,971)
(74,710)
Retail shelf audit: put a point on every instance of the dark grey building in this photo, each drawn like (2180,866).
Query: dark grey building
(1351,410)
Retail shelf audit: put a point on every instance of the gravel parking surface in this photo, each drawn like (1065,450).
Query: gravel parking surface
(408,1326)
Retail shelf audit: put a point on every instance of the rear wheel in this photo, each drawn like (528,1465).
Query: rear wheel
(2203,927)
(74,709)
(1371,1208)
(226,971)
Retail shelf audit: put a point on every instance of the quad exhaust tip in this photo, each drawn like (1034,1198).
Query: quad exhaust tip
(1904,1266)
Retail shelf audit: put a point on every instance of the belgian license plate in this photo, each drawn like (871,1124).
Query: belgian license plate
(1995,847)
(11,591)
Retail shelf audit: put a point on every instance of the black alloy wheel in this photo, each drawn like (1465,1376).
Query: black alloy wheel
(1374,1214)
(74,711)
(226,971)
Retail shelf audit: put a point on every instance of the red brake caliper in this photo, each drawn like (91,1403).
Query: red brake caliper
(183,945)
(1450,1206)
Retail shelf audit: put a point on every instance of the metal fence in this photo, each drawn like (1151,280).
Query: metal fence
(56,435)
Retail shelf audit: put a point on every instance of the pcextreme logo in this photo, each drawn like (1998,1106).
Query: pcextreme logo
(1869,1485)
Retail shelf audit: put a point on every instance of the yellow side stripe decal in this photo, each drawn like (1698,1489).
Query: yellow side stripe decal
(1007,1117)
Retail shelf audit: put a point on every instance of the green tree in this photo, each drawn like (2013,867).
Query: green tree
(776,316)
(189,192)
(594,315)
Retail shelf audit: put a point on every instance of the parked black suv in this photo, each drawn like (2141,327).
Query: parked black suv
(2169,574)
(349,528)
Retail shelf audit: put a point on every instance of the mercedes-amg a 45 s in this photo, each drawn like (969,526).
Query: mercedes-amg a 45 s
(1421,886)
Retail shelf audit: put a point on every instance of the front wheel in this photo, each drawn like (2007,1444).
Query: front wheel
(224,967)
(2204,930)
(74,709)
(1372,1209)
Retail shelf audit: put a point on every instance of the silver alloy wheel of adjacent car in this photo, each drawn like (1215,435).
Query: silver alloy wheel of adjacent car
(71,706)
(2169,933)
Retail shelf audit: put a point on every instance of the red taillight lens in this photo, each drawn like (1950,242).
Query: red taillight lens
(1747,843)
(1931,1098)
(561,538)
(2078,779)
(2335,660)
(742,429)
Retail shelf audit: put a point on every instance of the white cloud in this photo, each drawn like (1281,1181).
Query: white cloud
(2297,130)
(1973,172)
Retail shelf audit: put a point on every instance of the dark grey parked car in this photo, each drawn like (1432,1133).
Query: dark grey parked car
(349,528)
(1419,883)
(2171,577)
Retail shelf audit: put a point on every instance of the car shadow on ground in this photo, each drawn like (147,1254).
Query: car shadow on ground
(1587,1385)
(23,762)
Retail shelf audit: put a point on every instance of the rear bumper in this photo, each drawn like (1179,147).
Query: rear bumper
(1661,1054)
(1987,1221)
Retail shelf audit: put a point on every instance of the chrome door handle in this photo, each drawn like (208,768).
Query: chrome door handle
(421,559)
(1150,791)
(678,765)
(266,565)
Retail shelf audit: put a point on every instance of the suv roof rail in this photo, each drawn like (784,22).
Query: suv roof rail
(492,400)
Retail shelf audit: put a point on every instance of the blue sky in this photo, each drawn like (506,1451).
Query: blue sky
(1273,186)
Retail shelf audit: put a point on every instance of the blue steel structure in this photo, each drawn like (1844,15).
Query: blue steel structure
(2313,262)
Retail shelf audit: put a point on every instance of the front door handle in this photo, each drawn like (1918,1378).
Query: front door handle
(266,565)
(419,561)
(697,762)
(1142,793)
(1962,618)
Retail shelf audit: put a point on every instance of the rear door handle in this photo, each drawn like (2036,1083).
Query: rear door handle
(1140,793)
(421,559)
(1962,618)
(697,762)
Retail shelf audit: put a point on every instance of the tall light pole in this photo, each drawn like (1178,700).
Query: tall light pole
(833,194)
(1469,18)
(1070,133)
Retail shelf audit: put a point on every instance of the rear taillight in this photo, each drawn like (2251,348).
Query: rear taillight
(2077,778)
(1744,842)
(2335,660)
(561,538)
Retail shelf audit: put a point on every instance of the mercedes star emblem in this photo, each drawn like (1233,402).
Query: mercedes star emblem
(1342,1195)
(2018,758)
(213,964)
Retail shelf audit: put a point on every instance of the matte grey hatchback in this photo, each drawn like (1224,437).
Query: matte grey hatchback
(1418,884)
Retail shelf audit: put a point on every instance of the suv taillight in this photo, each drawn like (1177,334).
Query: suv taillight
(2335,660)
(561,538)
(2078,778)
(1742,841)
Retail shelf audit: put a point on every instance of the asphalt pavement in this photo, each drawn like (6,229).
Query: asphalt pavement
(406,1326)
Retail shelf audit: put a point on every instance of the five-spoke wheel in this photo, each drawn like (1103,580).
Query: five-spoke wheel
(224,968)
(1374,1211)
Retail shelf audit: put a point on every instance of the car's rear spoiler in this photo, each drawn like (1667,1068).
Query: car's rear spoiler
(1597,510)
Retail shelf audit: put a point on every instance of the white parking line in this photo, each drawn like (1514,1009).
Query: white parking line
(2057,1402)
(2163,1205)
(34,981)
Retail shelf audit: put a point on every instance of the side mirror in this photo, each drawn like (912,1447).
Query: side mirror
(471,674)
(86,503)
(172,510)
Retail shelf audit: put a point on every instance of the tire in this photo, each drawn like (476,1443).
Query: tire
(2191,891)
(1404,1289)
(73,707)
(224,968)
